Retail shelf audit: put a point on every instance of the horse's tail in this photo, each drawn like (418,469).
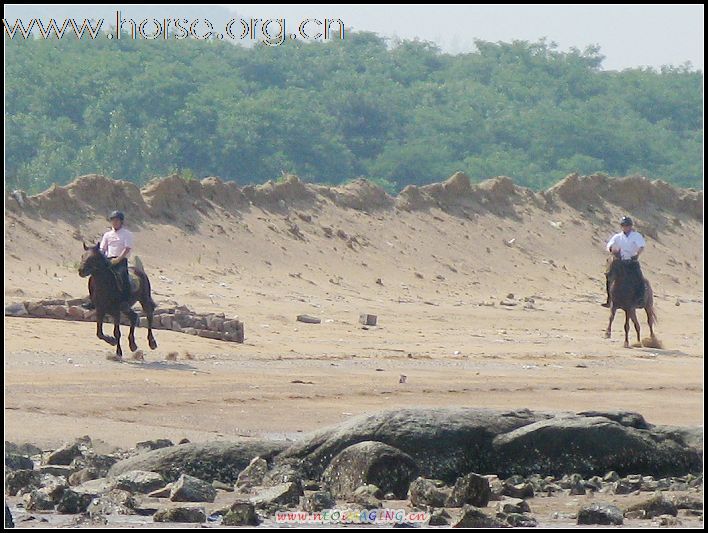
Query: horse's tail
(140,269)
(649,304)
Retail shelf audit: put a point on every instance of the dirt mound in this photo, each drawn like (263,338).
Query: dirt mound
(633,193)
(104,195)
(227,195)
(279,195)
(360,194)
(175,199)
(413,199)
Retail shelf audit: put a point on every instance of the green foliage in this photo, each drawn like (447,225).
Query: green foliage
(398,113)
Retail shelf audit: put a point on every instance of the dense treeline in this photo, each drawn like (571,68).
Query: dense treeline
(333,111)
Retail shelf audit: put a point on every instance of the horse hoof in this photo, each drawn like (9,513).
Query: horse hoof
(110,340)
(607,334)
(114,357)
(626,345)
(153,344)
(133,346)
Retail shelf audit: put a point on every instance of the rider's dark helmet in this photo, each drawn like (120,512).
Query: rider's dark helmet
(626,221)
(117,214)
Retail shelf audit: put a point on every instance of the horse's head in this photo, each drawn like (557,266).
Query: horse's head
(91,260)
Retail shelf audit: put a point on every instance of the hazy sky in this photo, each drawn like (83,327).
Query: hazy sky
(629,35)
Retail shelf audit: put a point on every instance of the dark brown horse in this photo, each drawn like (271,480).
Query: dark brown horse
(625,289)
(105,295)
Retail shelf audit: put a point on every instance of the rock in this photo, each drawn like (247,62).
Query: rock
(241,514)
(9,522)
(424,492)
(472,517)
(208,461)
(307,319)
(25,449)
(518,490)
(83,475)
(513,505)
(253,474)
(76,313)
(114,502)
(164,492)
(64,455)
(56,311)
(14,461)
(669,521)
(100,463)
(601,514)
(283,472)
(655,506)
(520,520)
(218,485)
(372,463)
(139,481)
(192,489)
(280,495)
(184,515)
(439,517)
(594,483)
(153,444)
(53,486)
(73,502)
(598,444)
(496,485)
(57,470)
(471,489)
(21,480)
(314,501)
(611,477)
(367,320)
(687,502)
(577,489)
(16,309)
(368,496)
(445,443)
(624,418)
(621,487)
(38,500)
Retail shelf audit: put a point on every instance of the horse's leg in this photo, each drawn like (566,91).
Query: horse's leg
(608,333)
(149,309)
(133,316)
(626,328)
(635,321)
(116,333)
(99,328)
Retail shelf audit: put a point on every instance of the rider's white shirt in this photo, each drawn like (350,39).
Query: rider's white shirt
(114,242)
(628,244)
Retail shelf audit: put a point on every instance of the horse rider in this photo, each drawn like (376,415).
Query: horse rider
(116,245)
(626,245)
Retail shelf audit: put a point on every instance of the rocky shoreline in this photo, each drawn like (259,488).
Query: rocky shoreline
(463,467)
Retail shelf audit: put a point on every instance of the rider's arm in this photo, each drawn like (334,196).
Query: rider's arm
(611,245)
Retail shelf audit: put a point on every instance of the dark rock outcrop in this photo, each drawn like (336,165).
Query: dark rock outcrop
(209,461)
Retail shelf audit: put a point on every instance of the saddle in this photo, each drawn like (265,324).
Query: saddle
(135,281)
